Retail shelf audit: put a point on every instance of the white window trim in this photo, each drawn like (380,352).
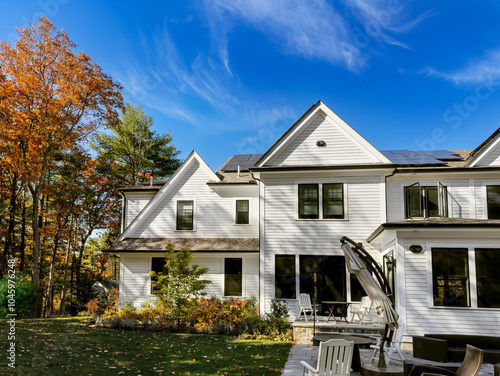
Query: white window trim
(484,195)
(320,198)
(250,211)
(195,214)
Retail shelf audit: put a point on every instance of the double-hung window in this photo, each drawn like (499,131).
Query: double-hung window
(425,202)
(185,215)
(493,201)
(242,216)
(321,201)
(450,277)
(488,278)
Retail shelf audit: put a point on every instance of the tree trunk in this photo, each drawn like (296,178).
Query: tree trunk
(9,239)
(65,275)
(50,283)
(35,194)
(22,245)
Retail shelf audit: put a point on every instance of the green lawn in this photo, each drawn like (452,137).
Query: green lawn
(69,347)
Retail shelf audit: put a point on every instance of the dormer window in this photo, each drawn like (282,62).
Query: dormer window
(427,201)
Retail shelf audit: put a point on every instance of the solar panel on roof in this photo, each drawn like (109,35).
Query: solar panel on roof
(408,157)
(245,161)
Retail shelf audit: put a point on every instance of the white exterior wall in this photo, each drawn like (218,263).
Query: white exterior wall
(285,234)
(213,213)
(135,268)
(340,147)
(415,290)
(136,201)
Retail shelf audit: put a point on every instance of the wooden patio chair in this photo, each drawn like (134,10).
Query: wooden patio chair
(305,306)
(363,310)
(391,351)
(334,358)
(471,365)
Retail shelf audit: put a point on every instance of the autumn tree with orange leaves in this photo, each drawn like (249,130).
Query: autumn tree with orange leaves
(51,98)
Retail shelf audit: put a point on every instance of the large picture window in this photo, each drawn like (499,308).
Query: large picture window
(493,201)
(233,277)
(488,277)
(321,201)
(450,277)
(425,202)
(285,277)
(185,215)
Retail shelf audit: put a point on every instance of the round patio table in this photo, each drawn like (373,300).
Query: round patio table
(358,342)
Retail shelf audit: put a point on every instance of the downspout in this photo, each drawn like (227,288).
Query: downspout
(261,263)
(386,209)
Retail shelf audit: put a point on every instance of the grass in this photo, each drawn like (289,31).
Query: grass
(67,346)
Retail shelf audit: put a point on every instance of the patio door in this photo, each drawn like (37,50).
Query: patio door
(323,277)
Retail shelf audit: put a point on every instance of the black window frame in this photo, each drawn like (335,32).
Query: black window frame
(450,289)
(320,201)
(240,215)
(157,266)
(232,274)
(285,283)
(333,200)
(181,224)
(418,204)
(492,206)
(303,201)
(487,277)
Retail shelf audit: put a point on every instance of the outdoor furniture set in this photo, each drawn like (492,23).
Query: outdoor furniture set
(452,347)
(336,308)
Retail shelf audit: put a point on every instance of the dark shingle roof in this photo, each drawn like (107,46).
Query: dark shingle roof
(194,244)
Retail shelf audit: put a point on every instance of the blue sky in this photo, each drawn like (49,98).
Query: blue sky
(230,76)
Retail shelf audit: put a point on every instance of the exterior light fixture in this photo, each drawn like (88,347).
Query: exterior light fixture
(415,248)
(320,143)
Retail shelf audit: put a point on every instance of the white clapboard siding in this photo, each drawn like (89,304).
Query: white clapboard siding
(284,234)
(340,147)
(214,210)
(490,157)
(136,267)
(480,195)
(135,281)
(421,318)
(136,201)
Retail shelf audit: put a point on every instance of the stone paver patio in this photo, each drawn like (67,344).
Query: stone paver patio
(309,353)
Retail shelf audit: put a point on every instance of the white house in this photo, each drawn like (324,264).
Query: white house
(268,225)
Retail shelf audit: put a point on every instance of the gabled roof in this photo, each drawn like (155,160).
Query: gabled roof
(483,150)
(151,205)
(304,121)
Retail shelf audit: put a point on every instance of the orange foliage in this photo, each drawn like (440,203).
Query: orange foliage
(50,98)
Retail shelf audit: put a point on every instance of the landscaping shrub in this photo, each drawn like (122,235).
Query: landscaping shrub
(25,296)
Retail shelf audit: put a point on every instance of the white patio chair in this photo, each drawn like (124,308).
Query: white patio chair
(363,310)
(305,306)
(334,358)
(390,351)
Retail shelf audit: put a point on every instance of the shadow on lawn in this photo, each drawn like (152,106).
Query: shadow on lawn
(67,346)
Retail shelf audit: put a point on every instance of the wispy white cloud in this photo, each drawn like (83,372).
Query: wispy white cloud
(483,70)
(314,29)
(309,28)
(385,20)
(199,91)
